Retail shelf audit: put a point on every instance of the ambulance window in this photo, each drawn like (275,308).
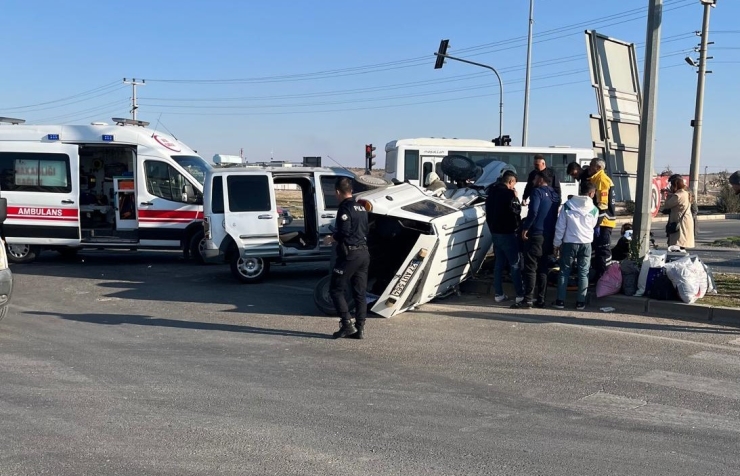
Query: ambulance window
(217,195)
(163,181)
(411,165)
(248,193)
(35,172)
(328,183)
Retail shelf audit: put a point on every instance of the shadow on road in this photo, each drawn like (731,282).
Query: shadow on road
(137,320)
(584,319)
(166,277)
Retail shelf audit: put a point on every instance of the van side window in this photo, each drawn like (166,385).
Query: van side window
(163,181)
(328,183)
(35,172)
(217,195)
(249,193)
(411,165)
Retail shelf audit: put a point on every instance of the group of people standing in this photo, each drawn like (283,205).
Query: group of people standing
(527,246)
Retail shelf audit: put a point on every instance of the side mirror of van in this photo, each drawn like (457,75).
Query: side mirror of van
(3,209)
(188,194)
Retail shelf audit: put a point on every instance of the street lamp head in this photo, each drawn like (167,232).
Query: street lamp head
(709,2)
(690,61)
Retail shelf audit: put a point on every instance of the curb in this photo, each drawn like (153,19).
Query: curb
(664,219)
(629,304)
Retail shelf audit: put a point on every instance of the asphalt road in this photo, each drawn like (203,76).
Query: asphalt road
(139,363)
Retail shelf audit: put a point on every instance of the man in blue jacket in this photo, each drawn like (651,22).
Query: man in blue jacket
(537,233)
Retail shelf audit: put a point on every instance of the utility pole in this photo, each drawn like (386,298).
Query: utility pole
(647,125)
(705,180)
(525,125)
(699,111)
(134,105)
(441,55)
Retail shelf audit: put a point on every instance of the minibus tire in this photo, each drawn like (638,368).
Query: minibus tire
(458,167)
(260,267)
(22,253)
(195,246)
(323,301)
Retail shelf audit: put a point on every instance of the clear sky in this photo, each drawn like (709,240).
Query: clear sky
(298,78)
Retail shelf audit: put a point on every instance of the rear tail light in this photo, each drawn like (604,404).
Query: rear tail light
(366,205)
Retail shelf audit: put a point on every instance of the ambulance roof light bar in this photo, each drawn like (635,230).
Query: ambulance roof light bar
(11,120)
(131,122)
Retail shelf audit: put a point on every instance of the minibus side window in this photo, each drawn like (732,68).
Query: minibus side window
(411,165)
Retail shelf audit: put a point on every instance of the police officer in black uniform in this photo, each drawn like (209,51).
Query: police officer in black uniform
(353,261)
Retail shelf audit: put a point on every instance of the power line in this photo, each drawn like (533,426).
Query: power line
(418,61)
(92,91)
(383,98)
(387,106)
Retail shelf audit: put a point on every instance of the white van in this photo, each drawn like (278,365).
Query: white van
(242,224)
(98,186)
(411,160)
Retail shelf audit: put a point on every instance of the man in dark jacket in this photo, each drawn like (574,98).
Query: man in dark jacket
(540,166)
(538,233)
(503,216)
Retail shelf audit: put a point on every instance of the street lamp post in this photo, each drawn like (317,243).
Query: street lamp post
(525,121)
(442,55)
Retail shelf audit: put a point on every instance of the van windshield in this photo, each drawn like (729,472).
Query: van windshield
(194,165)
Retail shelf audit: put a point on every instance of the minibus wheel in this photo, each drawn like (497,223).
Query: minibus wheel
(21,253)
(249,270)
(323,300)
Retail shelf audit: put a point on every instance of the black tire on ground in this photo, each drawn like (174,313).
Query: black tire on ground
(22,253)
(323,301)
(364,183)
(458,167)
(195,246)
(249,270)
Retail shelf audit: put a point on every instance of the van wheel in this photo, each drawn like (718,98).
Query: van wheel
(323,301)
(249,270)
(22,253)
(197,246)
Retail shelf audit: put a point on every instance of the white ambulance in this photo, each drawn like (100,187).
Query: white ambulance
(99,186)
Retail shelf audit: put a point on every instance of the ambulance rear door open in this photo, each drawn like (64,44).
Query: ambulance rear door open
(41,184)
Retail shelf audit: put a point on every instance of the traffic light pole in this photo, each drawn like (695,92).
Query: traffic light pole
(500,87)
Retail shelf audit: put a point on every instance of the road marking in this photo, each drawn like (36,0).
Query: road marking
(714,357)
(608,405)
(709,386)
(295,288)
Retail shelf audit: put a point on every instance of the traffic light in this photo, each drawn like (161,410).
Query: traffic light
(369,156)
(502,141)
(441,54)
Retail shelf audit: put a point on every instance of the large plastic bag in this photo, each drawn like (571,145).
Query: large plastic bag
(689,278)
(630,273)
(611,282)
(711,286)
(653,259)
